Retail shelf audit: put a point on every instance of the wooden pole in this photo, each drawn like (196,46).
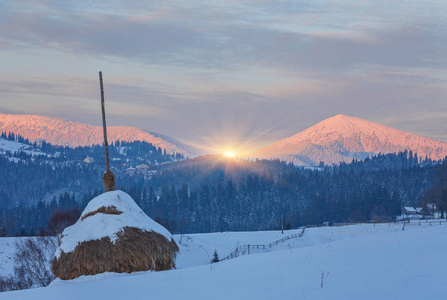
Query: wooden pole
(106,145)
(282,224)
(108,178)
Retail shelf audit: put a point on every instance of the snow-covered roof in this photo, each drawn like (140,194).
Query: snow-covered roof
(89,160)
(410,209)
(101,225)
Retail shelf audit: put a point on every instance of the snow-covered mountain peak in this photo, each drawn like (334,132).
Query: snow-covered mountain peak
(58,131)
(342,138)
(346,126)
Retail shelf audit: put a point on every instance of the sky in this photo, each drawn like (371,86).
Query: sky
(227,74)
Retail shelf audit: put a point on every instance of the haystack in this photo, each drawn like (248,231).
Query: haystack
(113,235)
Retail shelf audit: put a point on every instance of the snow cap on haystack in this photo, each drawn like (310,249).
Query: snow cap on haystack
(113,235)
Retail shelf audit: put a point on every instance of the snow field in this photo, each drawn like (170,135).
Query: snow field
(7,250)
(362,262)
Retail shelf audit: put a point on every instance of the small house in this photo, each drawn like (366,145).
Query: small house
(131,171)
(410,211)
(89,160)
(142,169)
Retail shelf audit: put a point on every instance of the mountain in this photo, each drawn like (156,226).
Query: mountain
(342,138)
(66,133)
(188,148)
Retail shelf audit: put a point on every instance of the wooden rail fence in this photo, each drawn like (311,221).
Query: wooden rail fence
(245,249)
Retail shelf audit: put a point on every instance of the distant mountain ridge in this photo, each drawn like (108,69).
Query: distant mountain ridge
(62,132)
(342,138)
(188,148)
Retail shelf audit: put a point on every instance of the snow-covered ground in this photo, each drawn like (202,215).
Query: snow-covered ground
(7,249)
(13,147)
(360,261)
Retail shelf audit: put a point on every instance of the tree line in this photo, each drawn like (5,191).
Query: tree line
(212,193)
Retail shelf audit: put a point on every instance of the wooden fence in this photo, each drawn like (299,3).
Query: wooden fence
(400,222)
(245,249)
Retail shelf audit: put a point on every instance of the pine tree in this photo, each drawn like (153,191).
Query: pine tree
(215,257)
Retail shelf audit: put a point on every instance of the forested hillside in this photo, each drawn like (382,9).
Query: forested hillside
(212,193)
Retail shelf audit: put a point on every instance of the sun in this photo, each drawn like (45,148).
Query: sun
(229,154)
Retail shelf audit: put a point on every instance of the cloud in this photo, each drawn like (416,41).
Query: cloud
(247,70)
(228,35)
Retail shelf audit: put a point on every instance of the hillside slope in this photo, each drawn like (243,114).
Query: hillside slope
(66,133)
(13,147)
(342,138)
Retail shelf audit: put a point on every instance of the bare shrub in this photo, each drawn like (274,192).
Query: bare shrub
(9,283)
(32,262)
(60,219)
